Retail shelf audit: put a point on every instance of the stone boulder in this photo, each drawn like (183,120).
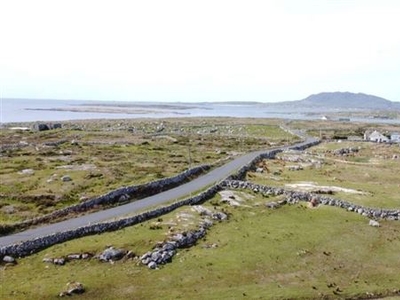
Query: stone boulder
(220,216)
(59,261)
(66,178)
(112,254)
(272,205)
(27,172)
(73,287)
(374,223)
(203,211)
(9,260)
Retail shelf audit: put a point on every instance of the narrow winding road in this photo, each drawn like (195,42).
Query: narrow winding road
(186,189)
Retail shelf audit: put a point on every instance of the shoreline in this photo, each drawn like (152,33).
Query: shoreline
(106,110)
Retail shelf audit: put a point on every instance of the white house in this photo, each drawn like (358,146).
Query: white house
(377,137)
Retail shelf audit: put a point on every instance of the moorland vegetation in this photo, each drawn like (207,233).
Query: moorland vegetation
(294,251)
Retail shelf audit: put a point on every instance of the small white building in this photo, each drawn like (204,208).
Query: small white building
(377,137)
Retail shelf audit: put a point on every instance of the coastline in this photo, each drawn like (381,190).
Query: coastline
(106,110)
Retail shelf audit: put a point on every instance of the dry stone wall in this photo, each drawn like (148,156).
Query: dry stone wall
(29,247)
(295,197)
(119,196)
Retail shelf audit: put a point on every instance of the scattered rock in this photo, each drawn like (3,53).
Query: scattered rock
(230,198)
(27,172)
(129,255)
(220,216)
(272,205)
(164,251)
(66,178)
(59,261)
(112,254)
(86,255)
(203,211)
(374,223)
(73,288)
(207,223)
(74,256)
(345,151)
(282,202)
(23,143)
(8,209)
(152,265)
(314,202)
(209,246)
(295,168)
(9,259)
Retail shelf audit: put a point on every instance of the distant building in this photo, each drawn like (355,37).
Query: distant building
(45,126)
(354,138)
(375,136)
(395,137)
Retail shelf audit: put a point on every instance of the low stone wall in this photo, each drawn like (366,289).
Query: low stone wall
(119,196)
(295,196)
(29,247)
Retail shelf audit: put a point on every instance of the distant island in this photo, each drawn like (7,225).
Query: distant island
(344,100)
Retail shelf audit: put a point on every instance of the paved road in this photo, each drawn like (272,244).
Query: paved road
(208,179)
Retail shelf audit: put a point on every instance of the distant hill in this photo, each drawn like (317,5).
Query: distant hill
(345,100)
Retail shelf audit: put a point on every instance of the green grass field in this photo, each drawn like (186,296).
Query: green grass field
(294,252)
(290,253)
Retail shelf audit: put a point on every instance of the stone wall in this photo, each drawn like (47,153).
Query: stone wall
(116,197)
(29,247)
(252,166)
(295,196)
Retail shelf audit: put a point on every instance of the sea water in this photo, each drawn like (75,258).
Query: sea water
(37,110)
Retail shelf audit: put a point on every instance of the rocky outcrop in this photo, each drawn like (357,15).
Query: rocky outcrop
(164,252)
(345,151)
(112,254)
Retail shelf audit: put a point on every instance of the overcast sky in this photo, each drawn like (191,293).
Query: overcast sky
(198,50)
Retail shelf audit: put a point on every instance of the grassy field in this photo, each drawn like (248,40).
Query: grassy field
(371,172)
(294,252)
(105,155)
(290,253)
